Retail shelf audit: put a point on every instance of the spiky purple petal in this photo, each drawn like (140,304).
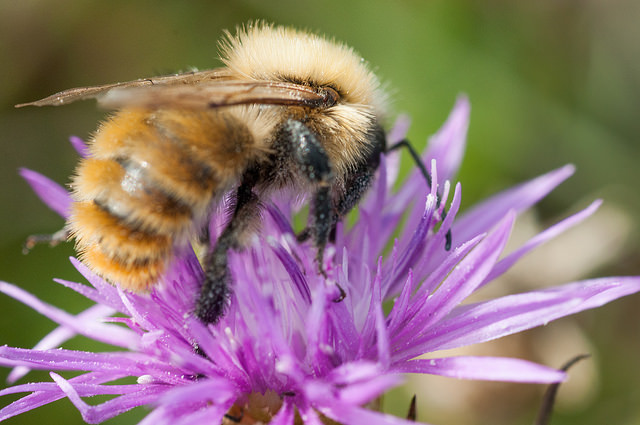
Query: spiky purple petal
(284,335)
(51,193)
(484,368)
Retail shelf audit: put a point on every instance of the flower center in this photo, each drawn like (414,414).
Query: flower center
(256,409)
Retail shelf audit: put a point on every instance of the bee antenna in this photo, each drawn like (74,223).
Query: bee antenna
(404,143)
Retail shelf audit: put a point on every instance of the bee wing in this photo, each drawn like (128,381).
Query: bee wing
(194,90)
(82,93)
(215,94)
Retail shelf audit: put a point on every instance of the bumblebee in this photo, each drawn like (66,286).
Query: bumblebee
(288,110)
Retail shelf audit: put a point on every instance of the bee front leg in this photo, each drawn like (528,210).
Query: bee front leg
(313,163)
(215,291)
(356,182)
(323,220)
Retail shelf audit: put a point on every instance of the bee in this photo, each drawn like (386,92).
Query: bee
(288,110)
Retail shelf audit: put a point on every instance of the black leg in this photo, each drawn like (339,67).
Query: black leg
(356,185)
(356,182)
(313,163)
(215,291)
(330,202)
(423,170)
(404,143)
(322,216)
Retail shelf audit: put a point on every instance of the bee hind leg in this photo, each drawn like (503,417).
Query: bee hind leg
(214,293)
(54,239)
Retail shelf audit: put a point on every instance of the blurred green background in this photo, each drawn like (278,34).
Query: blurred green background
(550,82)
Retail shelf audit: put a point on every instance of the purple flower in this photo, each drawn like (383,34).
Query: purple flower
(284,347)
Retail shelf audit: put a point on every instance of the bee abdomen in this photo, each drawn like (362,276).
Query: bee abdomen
(126,224)
(149,186)
(123,190)
(116,250)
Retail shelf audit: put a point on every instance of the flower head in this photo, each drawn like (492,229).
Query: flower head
(285,350)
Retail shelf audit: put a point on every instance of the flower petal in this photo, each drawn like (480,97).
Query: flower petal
(285,415)
(483,216)
(108,409)
(60,335)
(51,193)
(448,144)
(360,393)
(206,391)
(484,368)
(48,392)
(354,415)
(80,146)
(550,233)
(446,147)
(107,333)
(127,363)
(465,278)
(510,314)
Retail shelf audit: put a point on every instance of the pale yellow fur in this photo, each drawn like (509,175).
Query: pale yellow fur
(266,52)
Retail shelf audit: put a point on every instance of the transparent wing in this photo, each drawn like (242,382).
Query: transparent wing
(194,90)
(93,92)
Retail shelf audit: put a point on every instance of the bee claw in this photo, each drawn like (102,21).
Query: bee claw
(304,235)
(342,295)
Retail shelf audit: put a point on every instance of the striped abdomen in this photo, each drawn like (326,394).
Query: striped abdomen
(148,186)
